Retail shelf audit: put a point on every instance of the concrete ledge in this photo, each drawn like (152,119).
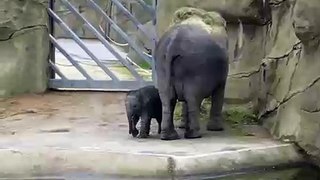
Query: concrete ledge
(226,161)
(44,162)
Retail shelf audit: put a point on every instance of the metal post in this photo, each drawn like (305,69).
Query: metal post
(52,51)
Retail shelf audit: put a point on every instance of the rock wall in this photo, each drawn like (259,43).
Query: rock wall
(289,103)
(24,46)
(278,75)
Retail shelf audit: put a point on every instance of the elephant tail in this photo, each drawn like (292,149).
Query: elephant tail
(170,58)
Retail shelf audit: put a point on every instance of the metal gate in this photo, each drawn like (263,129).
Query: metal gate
(95,71)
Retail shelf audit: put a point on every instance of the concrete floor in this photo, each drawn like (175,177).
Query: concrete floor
(86,132)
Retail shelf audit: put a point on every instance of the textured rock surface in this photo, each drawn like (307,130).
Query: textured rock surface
(249,11)
(278,74)
(289,102)
(24,46)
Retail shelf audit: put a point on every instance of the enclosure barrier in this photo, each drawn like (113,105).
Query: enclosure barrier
(59,74)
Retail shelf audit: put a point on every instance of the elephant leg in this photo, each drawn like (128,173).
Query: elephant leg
(148,126)
(145,126)
(192,123)
(184,119)
(215,122)
(167,127)
(159,125)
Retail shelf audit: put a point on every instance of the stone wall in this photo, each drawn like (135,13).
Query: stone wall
(290,89)
(24,46)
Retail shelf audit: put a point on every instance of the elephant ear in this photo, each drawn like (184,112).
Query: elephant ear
(145,99)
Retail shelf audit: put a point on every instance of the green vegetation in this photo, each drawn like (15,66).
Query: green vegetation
(178,112)
(144,65)
(209,18)
(240,116)
(234,117)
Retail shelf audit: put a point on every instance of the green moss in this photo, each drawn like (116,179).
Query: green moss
(240,116)
(204,111)
(178,112)
(144,65)
(235,117)
(210,18)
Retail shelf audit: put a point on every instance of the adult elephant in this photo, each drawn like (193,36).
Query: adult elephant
(191,63)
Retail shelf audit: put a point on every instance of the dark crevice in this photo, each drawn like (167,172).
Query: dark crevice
(286,99)
(244,74)
(291,96)
(311,111)
(277,3)
(23,29)
(297,46)
(303,90)
(292,76)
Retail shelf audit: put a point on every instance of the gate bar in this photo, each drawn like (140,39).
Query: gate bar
(52,49)
(120,31)
(133,19)
(81,44)
(102,39)
(98,84)
(73,62)
(57,70)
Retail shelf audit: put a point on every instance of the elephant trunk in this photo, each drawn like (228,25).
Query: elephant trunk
(132,126)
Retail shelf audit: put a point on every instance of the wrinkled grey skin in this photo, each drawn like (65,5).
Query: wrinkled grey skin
(190,66)
(145,103)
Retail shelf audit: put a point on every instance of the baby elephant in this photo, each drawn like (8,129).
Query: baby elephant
(145,103)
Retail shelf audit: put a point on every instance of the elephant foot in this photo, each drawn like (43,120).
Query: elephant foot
(169,135)
(215,125)
(192,134)
(143,136)
(135,132)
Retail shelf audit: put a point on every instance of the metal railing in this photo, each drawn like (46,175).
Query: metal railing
(113,83)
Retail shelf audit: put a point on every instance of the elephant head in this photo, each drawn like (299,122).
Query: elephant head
(133,109)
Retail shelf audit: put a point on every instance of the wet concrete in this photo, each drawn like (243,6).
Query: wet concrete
(61,133)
